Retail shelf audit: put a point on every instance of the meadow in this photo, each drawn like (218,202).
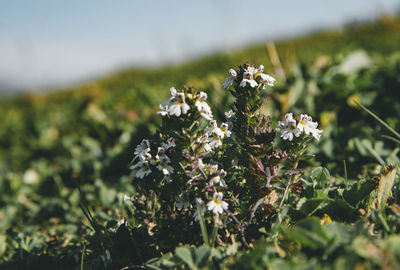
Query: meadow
(65,160)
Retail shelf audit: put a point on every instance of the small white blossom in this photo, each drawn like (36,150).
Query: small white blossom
(224,129)
(179,106)
(307,126)
(163,110)
(168,144)
(182,202)
(229,80)
(143,170)
(288,128)
(217,205)
(213,142)
(248,77)
(142,150)
(218,179)
(229,114)
(203,108)
(163,162)
(267,79)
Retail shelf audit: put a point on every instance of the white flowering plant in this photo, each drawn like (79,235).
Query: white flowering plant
(231,177)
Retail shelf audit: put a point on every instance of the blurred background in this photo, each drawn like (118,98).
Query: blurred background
(80,82)
(48,44)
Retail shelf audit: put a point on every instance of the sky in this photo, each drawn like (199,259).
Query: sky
(50,43)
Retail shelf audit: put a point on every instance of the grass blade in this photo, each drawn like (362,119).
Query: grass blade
(377,118)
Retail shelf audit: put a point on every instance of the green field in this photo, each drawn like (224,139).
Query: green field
(70,149)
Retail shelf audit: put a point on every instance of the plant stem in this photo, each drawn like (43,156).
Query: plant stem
(289,183)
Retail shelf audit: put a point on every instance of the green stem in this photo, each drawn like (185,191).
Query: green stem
(289,182)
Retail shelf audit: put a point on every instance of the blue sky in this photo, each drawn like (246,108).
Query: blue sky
(54,42)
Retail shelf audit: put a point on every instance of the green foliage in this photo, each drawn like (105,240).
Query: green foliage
(54,143)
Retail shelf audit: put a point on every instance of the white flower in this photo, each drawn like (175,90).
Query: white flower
(248,77)
(229,115)
(229,80)
(182,202)
(165,168)
(142,149)
(168,144)
(218,179)
(144,169)
(317,133)
(308,126)
(199,211)
(202,106)
(288,128)
(163,110)
(217,205)
(224,130)
(267,79)
(213,142)
(163,161)
(179,106)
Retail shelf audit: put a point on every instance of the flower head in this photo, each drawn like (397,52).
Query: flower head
(143,170)
(203,108)
(307,126)
(248,77)
(229,80)
(217,205)
(288,128)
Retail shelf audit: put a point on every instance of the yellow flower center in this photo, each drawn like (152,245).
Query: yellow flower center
(303,123)
(217,202)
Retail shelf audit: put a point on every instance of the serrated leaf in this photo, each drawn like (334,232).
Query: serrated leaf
(385,186)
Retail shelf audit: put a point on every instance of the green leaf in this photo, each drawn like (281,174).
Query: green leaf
(358,192)
(340,210)
(386,182)
(186,256)
(320,175)
(309,206)
(201,256)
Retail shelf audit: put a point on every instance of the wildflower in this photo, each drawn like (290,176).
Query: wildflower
(265,78)
(163,161)
(203,107)
(288,128)
(144,169)
(217,205)
(225,131)
(229,114)
(248,77)
(218,178)
(163,110)
(200,210)
(165,168)
(168,144)
(179,106)
(182,202)
(308,126)
(229,80)
(142,150)
(213,142)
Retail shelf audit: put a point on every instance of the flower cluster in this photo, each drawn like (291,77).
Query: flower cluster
(252,76)
(289,128)
(177,105)
(215,134)
(161,161)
